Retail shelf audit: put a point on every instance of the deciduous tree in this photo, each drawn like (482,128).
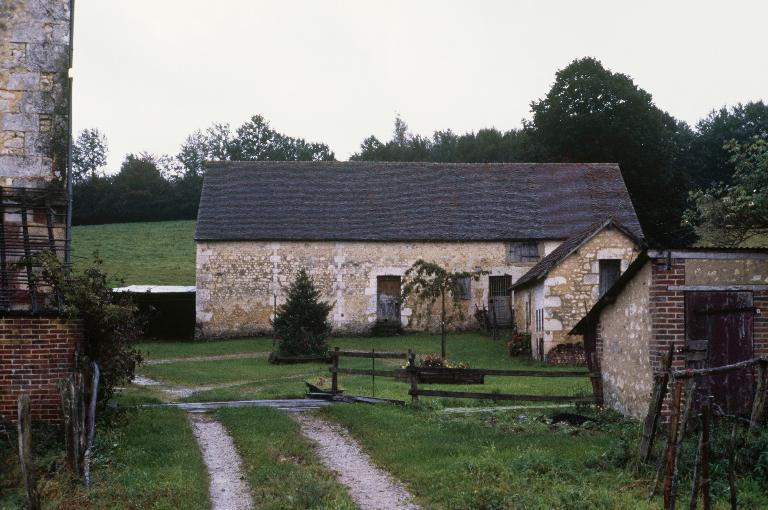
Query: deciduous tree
(736,213)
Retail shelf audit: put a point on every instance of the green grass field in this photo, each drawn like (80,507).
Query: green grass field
(160,253)
(256,378)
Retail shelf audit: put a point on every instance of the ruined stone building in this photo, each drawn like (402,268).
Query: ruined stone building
(556,293)
(358,226)
(710,305)
(36,343)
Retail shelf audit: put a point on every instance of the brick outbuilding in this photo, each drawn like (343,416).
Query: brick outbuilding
(711,305)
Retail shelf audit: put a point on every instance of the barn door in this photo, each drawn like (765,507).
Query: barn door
(388,299)
(719,332)
(498,299)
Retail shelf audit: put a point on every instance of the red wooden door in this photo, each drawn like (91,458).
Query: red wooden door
(719,332)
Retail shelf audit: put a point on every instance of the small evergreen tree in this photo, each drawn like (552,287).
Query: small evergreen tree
(301,324)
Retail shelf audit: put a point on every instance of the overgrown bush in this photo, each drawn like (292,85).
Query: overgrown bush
(110,322)
(301,324)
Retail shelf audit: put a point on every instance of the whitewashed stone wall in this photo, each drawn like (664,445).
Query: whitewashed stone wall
(570,289)
(238,283)
(625,337)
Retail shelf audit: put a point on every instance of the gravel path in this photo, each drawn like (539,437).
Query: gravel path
(228,489)
(370,487)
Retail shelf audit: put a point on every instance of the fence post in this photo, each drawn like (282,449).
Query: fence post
(25,453)
(413,377)
(758,406)
(334,372)
(651,423)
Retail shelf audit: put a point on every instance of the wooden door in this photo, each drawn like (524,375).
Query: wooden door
(719,332)
(388,299)
(499,300)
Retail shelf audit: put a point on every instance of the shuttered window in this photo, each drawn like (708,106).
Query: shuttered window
(523,251)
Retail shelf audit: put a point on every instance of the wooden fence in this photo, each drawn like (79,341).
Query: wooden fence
(372,355)
(683,394)
(415,375)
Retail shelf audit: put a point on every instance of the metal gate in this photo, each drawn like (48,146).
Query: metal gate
(718,331)
(499,302)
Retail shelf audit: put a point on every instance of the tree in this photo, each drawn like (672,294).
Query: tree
(89,154)
(707,160)
(301,324)
(594,115)
(428,281)
(110,322)
(736,213)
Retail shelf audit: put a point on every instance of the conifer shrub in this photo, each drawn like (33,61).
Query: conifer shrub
(301,324)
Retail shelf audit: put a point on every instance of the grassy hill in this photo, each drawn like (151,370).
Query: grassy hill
(160,253)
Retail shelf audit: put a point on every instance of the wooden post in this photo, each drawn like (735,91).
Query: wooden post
(651,423)
(732,469)
(91,425)
(413,376)
(25,453)
(334,373)
(706,419)
(671,441)
(442,327)
(596,378)
(758,405)
(679,442)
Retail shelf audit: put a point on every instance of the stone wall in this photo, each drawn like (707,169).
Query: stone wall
(35,353)
(623,348)
(238,282)
(34,60)
(570,289)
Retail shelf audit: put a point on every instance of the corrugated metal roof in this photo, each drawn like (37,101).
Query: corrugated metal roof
(376,201)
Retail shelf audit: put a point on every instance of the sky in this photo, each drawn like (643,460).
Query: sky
(147,73)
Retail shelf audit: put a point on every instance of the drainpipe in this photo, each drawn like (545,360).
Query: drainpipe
(70,143)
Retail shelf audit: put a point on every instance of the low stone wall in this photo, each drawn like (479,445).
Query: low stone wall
(35,353)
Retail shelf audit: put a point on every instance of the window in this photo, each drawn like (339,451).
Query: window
(466,288)
(540,319)
(527,315)
(610,270)
(523,251)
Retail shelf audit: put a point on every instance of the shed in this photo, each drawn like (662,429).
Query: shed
(711,305)
(169,309)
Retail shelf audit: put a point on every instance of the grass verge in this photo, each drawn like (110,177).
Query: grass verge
(146,459)
(279,462)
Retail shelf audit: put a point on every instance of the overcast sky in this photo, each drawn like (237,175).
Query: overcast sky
(149,72)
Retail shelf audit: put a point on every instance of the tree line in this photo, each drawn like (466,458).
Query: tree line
(590,114)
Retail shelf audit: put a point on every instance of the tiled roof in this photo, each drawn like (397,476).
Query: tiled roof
(375,201)
(572,244)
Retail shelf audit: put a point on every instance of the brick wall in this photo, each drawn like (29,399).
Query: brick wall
(35,353)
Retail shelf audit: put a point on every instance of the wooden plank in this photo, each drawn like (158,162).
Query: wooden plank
(500,396)
(25,453)
(504,373)
(362,371)
(698,372)
(650,425)
(758,405)
(370,354)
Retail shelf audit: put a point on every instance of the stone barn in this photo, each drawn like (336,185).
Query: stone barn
(358,226)
(37,344)
(556,293)
(711,305)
